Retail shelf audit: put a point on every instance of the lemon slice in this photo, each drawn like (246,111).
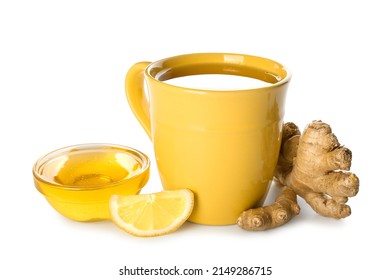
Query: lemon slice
(147,215)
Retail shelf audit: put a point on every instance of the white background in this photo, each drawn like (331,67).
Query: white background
(62,69)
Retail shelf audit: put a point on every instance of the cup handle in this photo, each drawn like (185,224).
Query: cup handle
(136,97)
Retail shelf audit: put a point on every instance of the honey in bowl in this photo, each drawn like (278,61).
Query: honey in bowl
(79,180)
(90,168)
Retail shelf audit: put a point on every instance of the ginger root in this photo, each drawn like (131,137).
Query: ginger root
(312,165)
(277,214)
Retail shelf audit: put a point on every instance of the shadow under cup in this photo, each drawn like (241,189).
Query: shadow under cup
(221,144)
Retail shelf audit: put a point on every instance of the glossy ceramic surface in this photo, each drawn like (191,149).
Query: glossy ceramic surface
(79,180)
(223,145)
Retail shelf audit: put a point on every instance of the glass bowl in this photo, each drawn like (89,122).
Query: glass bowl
(78,180)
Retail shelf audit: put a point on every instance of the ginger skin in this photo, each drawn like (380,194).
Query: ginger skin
(312,165)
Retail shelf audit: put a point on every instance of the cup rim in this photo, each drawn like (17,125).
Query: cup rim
(233,59)
(145,165)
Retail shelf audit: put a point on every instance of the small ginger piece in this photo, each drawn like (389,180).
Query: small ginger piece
(277,214)
(314,166)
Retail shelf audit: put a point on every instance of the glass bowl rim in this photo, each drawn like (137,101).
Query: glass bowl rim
(145,165)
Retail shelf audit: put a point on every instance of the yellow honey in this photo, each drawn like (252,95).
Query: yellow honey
(79,180)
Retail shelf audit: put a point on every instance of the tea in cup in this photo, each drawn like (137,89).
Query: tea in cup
(221,144)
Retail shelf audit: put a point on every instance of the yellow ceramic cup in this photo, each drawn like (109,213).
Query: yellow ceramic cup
(223,145)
